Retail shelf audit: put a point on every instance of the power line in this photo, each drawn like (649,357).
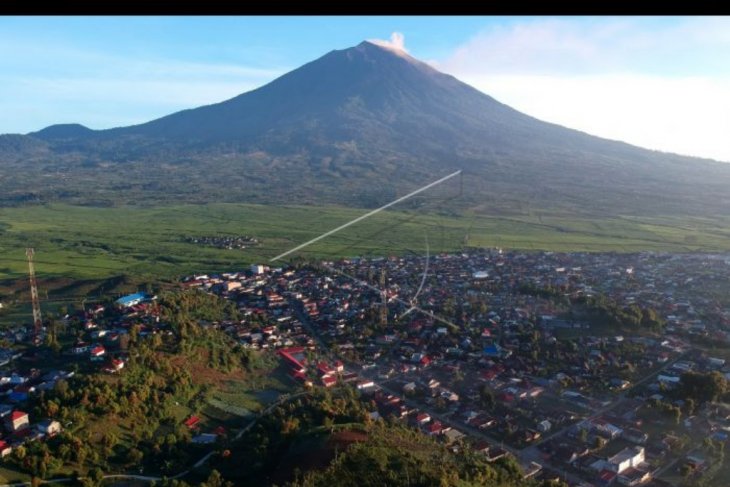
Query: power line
(366,215)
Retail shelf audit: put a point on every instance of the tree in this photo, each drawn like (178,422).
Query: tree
(677,414)
(599,442)
(95,477)
(583,435)
(134,456)
(486,397)
(124,342)
(61,388)
(52,334)
(632,316)
(651,320)
(20,453)
(458,376)
(290,425)
(702,387)
(215,479)
(134,334)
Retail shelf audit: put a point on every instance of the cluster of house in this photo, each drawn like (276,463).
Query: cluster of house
(101,345)
(618,447)
(270,320)
(16,387)
(492,334)
(105,338)
(18,429)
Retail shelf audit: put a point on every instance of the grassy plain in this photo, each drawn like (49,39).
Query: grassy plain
(92,243)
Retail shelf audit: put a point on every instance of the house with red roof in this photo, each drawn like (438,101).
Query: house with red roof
(97,352)
(489,374)
(114,366)
(434,428)
(192,422)
(481,447)
(606,477)
(295,357)
(423,418)
(324,369)
(18,420)
(5,449)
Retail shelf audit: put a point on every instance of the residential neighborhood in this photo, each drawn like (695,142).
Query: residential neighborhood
(504,351)
(512,353)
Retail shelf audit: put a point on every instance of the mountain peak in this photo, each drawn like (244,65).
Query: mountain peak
(388,46)
(63,131)
(375,45)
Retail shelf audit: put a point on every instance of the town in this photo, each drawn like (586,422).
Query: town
(588,368)
(511,351)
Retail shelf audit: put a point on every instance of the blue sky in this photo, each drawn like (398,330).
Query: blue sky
(659,82)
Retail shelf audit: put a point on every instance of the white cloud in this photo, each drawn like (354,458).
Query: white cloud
(660,85)
(685,115)
(397,41)
(592,45)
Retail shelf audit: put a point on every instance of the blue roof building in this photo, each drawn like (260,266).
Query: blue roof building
(18,396)
(495,351)
(132,299)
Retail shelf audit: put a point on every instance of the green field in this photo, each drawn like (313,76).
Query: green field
(93,243)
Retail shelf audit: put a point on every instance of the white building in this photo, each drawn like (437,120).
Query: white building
(626,458)
(48,427)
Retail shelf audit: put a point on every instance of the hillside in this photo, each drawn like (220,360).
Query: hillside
(356,127)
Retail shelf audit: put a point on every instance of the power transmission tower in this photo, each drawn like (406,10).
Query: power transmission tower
(384,299)
(37,323)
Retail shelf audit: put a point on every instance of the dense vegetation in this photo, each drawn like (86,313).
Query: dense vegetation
(602,311)
(397,456)
(700,387)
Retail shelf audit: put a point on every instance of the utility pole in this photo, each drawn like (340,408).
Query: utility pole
(37,322)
